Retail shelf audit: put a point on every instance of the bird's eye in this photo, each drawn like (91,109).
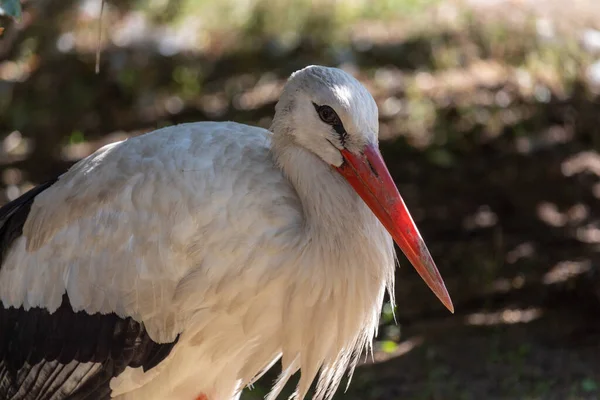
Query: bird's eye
(328,116)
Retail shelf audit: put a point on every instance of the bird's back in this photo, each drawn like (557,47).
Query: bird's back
(143,232)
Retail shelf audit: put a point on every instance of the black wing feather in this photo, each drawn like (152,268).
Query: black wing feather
(47,356)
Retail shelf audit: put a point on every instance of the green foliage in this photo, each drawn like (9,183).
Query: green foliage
(394,8)
(188,80)
(389,346)
(589,385)
(387,314)
(76,137)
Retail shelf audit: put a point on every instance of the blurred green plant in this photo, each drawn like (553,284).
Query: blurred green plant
(76,137)
(589,385)
(388,346)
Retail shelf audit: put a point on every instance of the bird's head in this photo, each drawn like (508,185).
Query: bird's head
(328,112)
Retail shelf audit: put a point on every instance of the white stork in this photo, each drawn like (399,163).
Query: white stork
(182,264)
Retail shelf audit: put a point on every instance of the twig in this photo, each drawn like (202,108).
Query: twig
(99,38)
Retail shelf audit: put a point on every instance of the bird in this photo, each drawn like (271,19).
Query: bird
(185,262)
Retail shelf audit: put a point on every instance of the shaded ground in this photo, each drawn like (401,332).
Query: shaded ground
(491,128)
(554,357)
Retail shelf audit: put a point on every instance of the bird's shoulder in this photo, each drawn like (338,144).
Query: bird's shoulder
(193,168)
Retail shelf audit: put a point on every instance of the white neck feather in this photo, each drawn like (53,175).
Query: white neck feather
(333,210)
(345,265)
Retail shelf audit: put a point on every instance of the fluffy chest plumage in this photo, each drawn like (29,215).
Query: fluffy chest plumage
(301,317)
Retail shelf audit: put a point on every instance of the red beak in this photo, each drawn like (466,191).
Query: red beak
(371,179)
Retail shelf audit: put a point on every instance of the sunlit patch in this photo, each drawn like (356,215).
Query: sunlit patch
(505,285)
(134,27)
(549,213)
(12,176)
(15,145)
(266,91)
(566,270)
(545,28)
(390,79)
(174,104)
(65,42)
(90,8)
(399,349)
(524,250)
(13,71)
(390,107)
(552,136)
(484,217)
(425,81)
(12,192)
(585,161)
(507,316)
(578,213)
(214,105)
(593,75)
(588,234)
(77,151)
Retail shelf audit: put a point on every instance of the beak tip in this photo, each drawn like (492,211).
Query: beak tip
(444,297)
(447,302)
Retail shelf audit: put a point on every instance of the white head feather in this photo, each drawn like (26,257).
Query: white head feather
(295,114)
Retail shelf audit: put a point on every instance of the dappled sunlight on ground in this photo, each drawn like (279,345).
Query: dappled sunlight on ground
(508,316)
(588,161)
(565,270)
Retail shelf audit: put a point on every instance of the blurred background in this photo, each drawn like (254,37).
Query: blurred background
(490,124)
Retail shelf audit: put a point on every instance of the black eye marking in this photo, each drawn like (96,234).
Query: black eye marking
(330,117)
